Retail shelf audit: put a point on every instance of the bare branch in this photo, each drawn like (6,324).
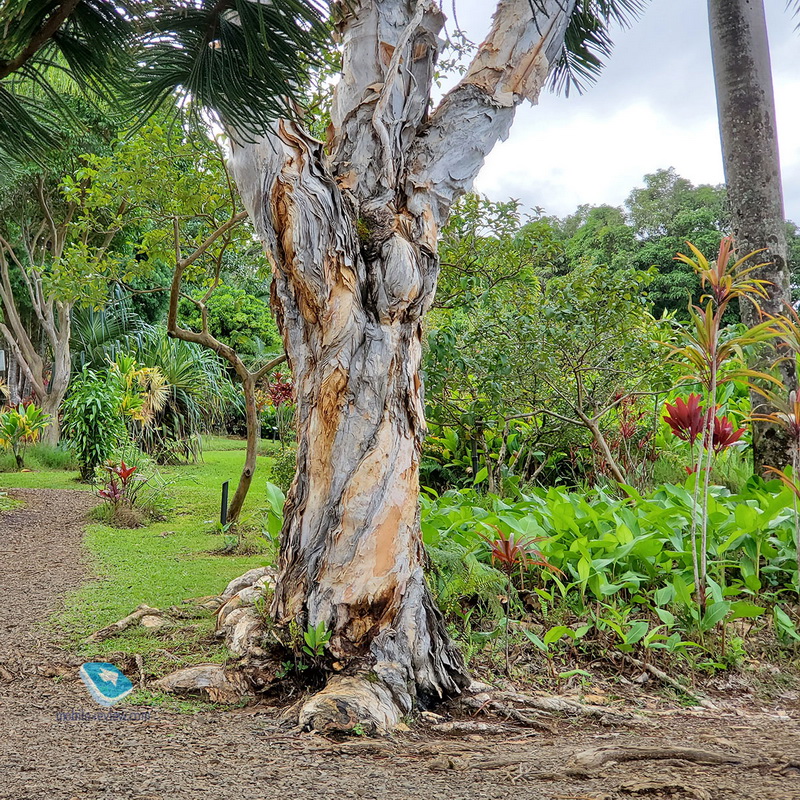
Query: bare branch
(510,66)
(268,367)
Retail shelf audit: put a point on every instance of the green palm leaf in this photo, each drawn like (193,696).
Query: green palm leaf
(588,43)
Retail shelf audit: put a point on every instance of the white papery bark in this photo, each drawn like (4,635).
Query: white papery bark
(352,239)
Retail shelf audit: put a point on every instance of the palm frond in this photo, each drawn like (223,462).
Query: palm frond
(245,59)
(587,42)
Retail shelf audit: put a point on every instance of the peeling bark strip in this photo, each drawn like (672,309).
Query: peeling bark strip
(352,241)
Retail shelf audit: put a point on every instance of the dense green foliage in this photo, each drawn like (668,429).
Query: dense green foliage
(93,423)
(623,566)
(240,319)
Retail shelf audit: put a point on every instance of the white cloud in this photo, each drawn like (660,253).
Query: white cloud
(653,107)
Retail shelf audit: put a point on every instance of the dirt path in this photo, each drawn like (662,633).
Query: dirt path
(228,756)
(40,561)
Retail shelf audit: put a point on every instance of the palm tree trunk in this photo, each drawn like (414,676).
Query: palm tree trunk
(746,106)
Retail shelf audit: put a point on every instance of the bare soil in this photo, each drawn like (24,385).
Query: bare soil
(249,753)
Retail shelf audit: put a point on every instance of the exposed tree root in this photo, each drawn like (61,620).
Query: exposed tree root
(349,702)
(669,681)
(123,624)
(532,710)
(598,756)
(463,726)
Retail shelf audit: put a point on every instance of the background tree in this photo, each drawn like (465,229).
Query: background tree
(60,245)
(188,214)
(746,103)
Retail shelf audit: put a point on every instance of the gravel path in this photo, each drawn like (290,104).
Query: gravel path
(246,753)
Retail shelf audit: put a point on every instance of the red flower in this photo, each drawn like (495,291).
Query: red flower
(724,435)
(687,419)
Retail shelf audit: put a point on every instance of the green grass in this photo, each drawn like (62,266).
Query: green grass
(162,563)
(8,503)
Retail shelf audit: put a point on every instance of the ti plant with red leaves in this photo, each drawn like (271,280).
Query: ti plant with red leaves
(278,393)
(120,489)
(686,418)
(689,421)
(713,356)
(511,553)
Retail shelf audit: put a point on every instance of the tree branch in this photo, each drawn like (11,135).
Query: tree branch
(40,38)
(510,66)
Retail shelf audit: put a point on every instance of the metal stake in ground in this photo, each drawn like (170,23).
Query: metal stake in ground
(223,508)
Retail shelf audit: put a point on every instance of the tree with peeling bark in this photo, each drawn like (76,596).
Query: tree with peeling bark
(746,106)
(58,248)
(351,231)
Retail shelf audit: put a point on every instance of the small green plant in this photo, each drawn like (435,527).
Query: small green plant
(93,422)
(547,642)
(316,639)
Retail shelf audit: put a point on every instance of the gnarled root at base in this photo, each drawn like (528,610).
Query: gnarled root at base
(351,702)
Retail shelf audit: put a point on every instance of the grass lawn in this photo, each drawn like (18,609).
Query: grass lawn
(164,562)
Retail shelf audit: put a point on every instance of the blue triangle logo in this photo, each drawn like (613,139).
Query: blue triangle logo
(106,684)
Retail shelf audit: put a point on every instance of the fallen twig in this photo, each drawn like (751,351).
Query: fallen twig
(668,679)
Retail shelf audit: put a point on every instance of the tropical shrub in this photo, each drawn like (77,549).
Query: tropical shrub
(93,423)
(20,427)
(195,390)
(241,320)
(283,467)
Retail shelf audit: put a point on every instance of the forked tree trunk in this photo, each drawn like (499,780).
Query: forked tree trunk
(249,379)
(746,105)
(352,239)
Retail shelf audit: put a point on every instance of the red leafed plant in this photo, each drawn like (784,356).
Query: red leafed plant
(723,435)
(119,488)
(279,390)
(511,552)
(686,418)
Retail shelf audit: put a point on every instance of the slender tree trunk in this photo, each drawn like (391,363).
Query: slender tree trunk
(352,239)
(746,105)
(51,404)
(14,379)
(253,423)
(601,442)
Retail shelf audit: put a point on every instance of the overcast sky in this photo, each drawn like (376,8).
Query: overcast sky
(653,107)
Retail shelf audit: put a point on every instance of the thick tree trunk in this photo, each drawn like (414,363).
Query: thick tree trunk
(52,405)
(746,105)
(352,240)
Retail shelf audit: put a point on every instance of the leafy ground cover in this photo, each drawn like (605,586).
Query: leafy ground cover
(612,576)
